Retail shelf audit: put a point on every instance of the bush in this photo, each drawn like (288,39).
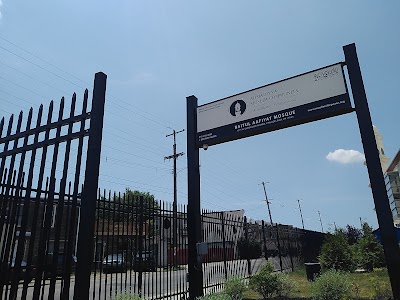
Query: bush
(286,286)
(336,253)
(332,285)
(264,284)
(269,285)
(127,296)
(234,288)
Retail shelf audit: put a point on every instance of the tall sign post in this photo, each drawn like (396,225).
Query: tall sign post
(382,207)
(308,97)
(193,210)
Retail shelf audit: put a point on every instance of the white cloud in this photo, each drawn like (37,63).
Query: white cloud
(346,156)
(1,3)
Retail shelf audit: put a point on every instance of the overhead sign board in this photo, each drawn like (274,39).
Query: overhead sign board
(304,98)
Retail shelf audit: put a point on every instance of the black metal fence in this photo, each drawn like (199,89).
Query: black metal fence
(135,250)
(60,238)
(41,199)
(239,247)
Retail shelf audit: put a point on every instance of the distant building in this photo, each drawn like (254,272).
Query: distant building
(391,175)
(379,143)
(392,181)
(222,230)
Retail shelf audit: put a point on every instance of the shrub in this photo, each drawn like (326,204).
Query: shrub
(266,268)
(332,285)
(286,286)
(266,283)
(127,296)
(234,288)
(336,253)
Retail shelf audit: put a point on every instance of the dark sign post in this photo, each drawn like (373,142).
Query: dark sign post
(308,97)
(193,212)
(382,207)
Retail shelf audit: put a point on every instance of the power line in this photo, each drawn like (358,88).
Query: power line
(143,147)
(22,87)
(73,83)
(136,137)
(126,152)
(17,97)
(40,67)
(45,61)
(34,78)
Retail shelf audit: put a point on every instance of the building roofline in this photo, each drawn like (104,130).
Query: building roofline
(223,211)
(394,162)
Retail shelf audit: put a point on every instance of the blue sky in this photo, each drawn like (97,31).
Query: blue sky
(156,53)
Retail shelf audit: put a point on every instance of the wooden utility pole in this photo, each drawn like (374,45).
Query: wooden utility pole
(320,220)
(301,214)
(174,156)
(272,225)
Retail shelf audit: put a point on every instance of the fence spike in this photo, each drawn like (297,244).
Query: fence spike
(1,126)
(50,112)
(61,111)
(29,121)
(73,104)
(85,101)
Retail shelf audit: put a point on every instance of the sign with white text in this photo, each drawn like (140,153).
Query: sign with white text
(304,98)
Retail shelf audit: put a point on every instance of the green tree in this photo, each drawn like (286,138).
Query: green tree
(352,234)
(126,207)
(133,197)
(369,253)
(336,253)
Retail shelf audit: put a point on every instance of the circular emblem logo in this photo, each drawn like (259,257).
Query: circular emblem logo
(237,108)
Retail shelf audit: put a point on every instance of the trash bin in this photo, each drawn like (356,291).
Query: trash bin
(312,270)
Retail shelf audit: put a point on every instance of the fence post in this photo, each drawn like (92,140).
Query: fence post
(264,239)
(89,196)
(224,244)
(279,246)
(140,252)
(246,236)
(193,208)
(290,249)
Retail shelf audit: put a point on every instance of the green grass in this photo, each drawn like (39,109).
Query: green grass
(361,280)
